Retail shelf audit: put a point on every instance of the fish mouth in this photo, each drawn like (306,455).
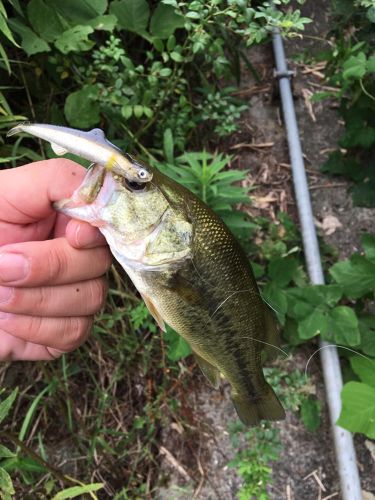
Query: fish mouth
(94,192)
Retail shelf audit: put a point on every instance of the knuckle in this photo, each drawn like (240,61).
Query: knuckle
(12,303)
(41,298)
(105,257)
(57,264)
(36,327)
(97,292)
(76,331)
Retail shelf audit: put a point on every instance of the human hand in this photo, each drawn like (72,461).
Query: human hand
(51,267)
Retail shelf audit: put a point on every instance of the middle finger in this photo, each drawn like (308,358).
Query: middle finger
(50,262)
(77,299)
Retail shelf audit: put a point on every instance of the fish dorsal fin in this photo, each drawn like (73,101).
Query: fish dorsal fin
(99,136)
(58,150)
(154,312)
(210,371)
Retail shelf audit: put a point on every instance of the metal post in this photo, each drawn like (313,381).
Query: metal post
(343,441)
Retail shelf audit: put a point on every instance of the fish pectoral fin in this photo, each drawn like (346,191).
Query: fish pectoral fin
(154,312)
(265,407)
(210,371)
(58,150)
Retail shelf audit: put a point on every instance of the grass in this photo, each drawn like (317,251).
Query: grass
(96,414)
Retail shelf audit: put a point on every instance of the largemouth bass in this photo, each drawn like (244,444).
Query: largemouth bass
(191,273)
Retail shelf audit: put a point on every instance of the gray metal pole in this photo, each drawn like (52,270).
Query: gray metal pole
(343,441)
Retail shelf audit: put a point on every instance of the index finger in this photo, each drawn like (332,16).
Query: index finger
(27,192)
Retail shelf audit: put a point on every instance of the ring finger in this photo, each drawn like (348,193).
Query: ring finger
(64,334)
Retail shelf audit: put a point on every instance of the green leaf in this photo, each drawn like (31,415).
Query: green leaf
(81,110)
(30,41)
(310,413)
(358,408)
(138,110)
(176,56)
(290,332)
(356,276)
(165,20)
(344,326)
(6,31)
(355,66)
(44,20)
(178,348)
(76,491)
(298,307)
(193,15)
(77,12)
(367,329)
(6,484)
(363,193)
(127,111)
(103,23)
(314,324)
(24,464)
(370,14)
(281,270)
(5,453)
(30,413)
(364,368)
(168,145)
(132,15)
(165,72)
(277,300)
(75,40)
(371,63)
(368,243)
(6,405)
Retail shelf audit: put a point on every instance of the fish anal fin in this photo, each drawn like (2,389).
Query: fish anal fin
(266,407)
(272,334)
(58,150)
(210,371)
(154,312)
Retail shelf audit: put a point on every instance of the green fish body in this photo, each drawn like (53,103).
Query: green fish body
(192,275)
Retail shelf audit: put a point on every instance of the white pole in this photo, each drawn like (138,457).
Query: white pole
(343,441)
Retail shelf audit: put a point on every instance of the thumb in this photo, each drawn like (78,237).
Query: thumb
(27,192)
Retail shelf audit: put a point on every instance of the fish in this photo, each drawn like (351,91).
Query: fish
(191,273)
(91,145)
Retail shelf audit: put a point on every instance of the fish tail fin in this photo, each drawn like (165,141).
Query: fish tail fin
(251,412)
(272,334)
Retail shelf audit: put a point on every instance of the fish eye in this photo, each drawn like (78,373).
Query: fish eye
(134,186)
(142,174)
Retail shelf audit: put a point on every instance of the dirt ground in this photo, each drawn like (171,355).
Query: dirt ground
(306,469)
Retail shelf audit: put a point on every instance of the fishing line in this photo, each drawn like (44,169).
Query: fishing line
(288,356)
(223,302)
(334,345)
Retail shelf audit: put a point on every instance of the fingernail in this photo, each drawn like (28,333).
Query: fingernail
(76,236)
(5,294)
(13,267)
(87,237)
